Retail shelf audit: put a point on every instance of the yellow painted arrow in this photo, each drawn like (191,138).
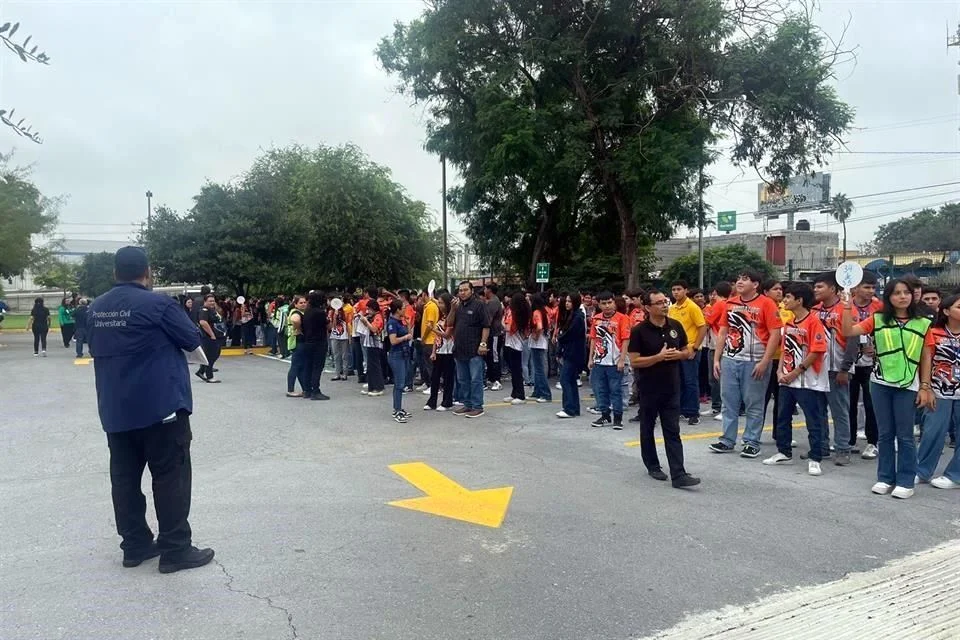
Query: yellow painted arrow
(446,498)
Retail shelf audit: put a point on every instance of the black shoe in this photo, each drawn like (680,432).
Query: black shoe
(692,420)
(602,421)
(720,447)
(200,375)
(826,455)
(618,423)
(136,559)
(657,474)
(215,369)
(749,451)
(189,559)
(319,396)
(635,419)
(685,481)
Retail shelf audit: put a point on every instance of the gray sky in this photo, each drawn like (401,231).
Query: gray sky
(164,95)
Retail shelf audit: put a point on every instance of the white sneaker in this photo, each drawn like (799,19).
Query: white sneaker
(496,386)
(813,468)
(902,493)
(563,414)
(364,392)
(595,411)
(442,408)
(510,399)
(542,400)
(869,452)
(375,393)
(943,482)
(427,407)
(365,386)
(793,443)
(36,355)
(707,412)
(43,353)
(426,392)
(557,386)
(718,417)
(861,435)
(457,404)
(517,401)
(882,488)
(579,382)
(778,458)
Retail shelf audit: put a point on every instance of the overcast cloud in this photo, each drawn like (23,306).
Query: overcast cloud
(165,95)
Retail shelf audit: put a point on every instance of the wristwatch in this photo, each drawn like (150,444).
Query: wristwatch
(483,344)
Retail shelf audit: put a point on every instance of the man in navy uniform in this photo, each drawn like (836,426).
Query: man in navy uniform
(137,339)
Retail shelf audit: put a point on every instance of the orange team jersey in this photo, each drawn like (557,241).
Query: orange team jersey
(608,336)
(362,305)
(552,314)
(866,341)
(537,324)
(636,316)
(831,316)
(410,314)
(800,339)
(749,325)
(945,349)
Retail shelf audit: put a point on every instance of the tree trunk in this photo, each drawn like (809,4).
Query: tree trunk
(542,242)
(844,240)
(628,252)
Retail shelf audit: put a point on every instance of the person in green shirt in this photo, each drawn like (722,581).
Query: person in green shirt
(65,316)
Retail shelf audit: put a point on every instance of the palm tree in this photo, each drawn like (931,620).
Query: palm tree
(841,210)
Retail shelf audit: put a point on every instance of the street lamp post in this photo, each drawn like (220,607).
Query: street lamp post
(443,178)
(149,210)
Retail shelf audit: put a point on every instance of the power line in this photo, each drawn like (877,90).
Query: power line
(900,153)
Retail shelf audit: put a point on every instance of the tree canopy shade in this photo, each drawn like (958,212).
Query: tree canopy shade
(925,230)
(722,263)
(95,274)
(24,212)
(585,125)
(298,218)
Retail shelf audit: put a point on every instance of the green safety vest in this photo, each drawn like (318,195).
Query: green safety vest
(291,337)
(898,349)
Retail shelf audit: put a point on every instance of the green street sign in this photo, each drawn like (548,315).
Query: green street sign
(727,220)
(543,272)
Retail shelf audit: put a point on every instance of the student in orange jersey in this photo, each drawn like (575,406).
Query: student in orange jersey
(609,333)
(803,377)
(865,304)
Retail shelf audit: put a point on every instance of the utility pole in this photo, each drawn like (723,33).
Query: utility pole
(700,222)
(443,174)
(149,210)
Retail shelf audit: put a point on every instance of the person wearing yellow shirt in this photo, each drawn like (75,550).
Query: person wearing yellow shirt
(690,316)
(431,316)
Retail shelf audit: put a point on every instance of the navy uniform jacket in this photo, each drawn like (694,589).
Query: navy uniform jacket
(136,338)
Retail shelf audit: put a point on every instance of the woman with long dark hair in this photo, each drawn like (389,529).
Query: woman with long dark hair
(339,343)
(210,336)
(39,323)
(442,358)
(940,394)
(315,341)
(899,332)
(572,343)
(372,320)
(516,324)
(400,338)
(538,348)
(65,318)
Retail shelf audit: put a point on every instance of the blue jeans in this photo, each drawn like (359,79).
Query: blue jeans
(270,337)
(541,388)
(569,372)
(895,409)
(80,336)
(606,381)
(839,402)
(737,386)
(470,381)
(936,425)
(399,359)
(690,387)
(814,405)
(625,385)
(299,363)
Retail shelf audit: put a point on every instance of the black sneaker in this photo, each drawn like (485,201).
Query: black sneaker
(189,559)
(826,455)
(749,451)
(398,416)
(602,421)
(635,419)
(319,396)
(136,559)
(618,422)
(657,474)
(692,420)
(720,447)
(685,481)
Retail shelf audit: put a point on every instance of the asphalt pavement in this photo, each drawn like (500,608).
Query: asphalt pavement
(294,496)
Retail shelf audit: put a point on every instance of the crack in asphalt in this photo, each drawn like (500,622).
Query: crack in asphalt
(267,599)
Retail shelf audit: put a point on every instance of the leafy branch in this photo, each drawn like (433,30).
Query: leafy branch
(27,54)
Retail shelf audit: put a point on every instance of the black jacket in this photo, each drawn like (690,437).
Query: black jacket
(572,343)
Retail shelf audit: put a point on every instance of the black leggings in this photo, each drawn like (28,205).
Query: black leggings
(211,349)
(39,339)
(773,391)
(66,332)
(514,360)
(445,368)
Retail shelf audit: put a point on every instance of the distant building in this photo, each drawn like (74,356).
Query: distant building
(792,251)
(71,250)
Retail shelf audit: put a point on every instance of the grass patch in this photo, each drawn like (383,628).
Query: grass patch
(14,322)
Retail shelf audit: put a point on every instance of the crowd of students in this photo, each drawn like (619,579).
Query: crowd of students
(744,345)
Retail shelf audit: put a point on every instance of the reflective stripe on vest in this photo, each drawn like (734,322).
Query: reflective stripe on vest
(898,349)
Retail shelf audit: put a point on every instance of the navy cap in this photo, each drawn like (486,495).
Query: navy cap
(130,263)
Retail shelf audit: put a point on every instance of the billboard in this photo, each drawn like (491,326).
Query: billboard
(801,194)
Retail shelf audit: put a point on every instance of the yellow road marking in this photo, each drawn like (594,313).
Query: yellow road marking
(704,436)
(446,498)
(83,361)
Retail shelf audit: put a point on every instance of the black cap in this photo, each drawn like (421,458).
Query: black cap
(130,263)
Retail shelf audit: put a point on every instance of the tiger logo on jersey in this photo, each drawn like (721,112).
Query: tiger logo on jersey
(792,353)
(946,366)
(738,326)
(604,342)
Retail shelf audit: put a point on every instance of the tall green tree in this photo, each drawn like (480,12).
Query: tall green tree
(840,209)
(298,218)
(24,212)
(596,117)
(925,230)
(95,273)
(722,263)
